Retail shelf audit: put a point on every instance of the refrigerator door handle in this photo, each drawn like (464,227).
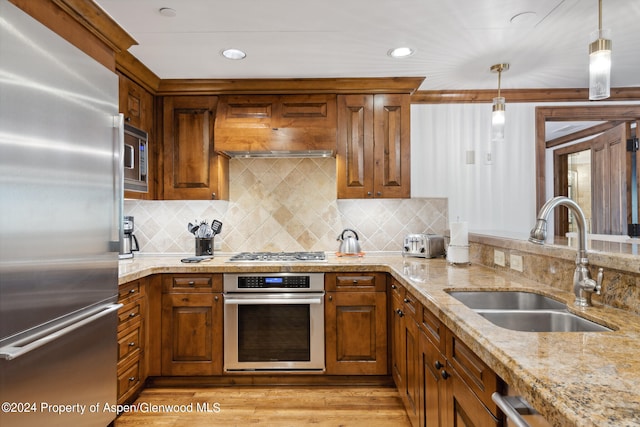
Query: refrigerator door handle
(26,345)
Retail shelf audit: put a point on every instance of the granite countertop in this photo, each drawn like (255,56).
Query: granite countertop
(572,378)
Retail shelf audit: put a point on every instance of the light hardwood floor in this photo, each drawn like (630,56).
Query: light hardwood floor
(360,406)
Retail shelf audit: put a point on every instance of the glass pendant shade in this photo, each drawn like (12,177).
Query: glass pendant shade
(498,119)
(599,67)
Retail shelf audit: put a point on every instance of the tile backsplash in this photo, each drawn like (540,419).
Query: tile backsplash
(285,205)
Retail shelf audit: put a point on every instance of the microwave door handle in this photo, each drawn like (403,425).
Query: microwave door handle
(129,156)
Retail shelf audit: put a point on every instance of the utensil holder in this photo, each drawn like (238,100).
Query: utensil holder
(204,246)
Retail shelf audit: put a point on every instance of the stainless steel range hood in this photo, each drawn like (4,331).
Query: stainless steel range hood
(280,154)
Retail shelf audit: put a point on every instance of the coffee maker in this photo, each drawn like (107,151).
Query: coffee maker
(129,243)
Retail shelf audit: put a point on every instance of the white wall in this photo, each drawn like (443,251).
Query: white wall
(491,197)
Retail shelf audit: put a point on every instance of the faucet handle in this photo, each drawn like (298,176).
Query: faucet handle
(599,278)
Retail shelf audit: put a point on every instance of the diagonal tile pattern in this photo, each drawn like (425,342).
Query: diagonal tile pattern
(285,205)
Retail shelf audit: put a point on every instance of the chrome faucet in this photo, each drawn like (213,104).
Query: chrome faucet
(583,285)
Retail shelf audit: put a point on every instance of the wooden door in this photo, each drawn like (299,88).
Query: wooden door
(609,182)
(356,333)
(192,170)
(192,334)
(354,154)
(392,157)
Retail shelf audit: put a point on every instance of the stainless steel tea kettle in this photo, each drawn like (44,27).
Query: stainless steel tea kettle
(349,245)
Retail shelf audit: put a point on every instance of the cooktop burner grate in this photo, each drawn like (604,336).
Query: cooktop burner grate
(278,256)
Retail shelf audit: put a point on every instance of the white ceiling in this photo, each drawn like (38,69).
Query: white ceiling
(456,41)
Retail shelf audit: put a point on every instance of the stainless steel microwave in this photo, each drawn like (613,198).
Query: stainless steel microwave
(135,159)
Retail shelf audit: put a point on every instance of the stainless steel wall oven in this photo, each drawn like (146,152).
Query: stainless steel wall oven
(274,322)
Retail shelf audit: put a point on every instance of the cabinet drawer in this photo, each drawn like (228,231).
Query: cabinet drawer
(355,282)
(433,328)
(396,290)
(129,379)
(130,341)
(193,283)
(130,291)
(130,313)
(411,306)
(474,372)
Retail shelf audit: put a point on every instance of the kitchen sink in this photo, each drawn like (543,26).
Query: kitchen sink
(525,311)
(506,300)
(541,321)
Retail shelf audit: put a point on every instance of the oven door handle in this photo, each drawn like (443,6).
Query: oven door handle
(272,301)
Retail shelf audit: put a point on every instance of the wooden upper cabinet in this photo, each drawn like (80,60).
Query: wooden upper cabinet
(373,151)
(192,170)
(276,123)
(136,104)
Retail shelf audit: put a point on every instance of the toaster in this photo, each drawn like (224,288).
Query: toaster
(423,245)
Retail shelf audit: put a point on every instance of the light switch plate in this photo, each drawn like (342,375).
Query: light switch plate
(515,261)
(498,258)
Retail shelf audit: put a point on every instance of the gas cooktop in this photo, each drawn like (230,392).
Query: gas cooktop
(278,257)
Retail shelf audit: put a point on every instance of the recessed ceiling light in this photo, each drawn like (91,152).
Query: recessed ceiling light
(167,11)
(233,54)
(400,52)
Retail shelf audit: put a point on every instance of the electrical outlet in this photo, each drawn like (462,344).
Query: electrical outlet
(498,258)
(515,261)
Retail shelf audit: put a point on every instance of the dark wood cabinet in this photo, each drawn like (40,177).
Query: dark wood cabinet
(356,324)
(191,329)
(373,146)
(131,368)
(137,106)
(276,123)
(441,381)
(191,168)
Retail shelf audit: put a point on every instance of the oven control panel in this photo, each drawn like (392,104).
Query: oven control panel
(264,282)
(270,282)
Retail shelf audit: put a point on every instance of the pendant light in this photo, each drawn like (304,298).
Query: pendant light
(497,116)
(599,62)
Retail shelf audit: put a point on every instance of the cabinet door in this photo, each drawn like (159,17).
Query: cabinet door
(192,170)
(354,156)
(192,334)
(410,393)
(466,409)
(398,361)
(356,333)
(392,176)
(433,384)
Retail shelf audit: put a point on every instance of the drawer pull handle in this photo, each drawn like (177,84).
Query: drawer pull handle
(355,281)
(438,365)
(132,291)
(132,315)
(400,313)
(192,283)
(444,374)
(132,344)
(508,405)
(407,300)
(131,379)
(394,287)
(216,298)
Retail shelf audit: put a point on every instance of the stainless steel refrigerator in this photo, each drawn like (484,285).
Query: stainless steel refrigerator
(60,211)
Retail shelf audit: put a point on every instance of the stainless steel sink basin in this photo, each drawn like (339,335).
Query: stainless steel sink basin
(506,300)
(541,321)
(525,311)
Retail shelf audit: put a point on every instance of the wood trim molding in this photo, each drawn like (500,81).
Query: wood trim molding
(593,112)
(288,86)
(135,70)
(518,95)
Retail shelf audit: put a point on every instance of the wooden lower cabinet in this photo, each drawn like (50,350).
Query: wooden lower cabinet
(132,366)
(356,324)
(191,325)
(441,381)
